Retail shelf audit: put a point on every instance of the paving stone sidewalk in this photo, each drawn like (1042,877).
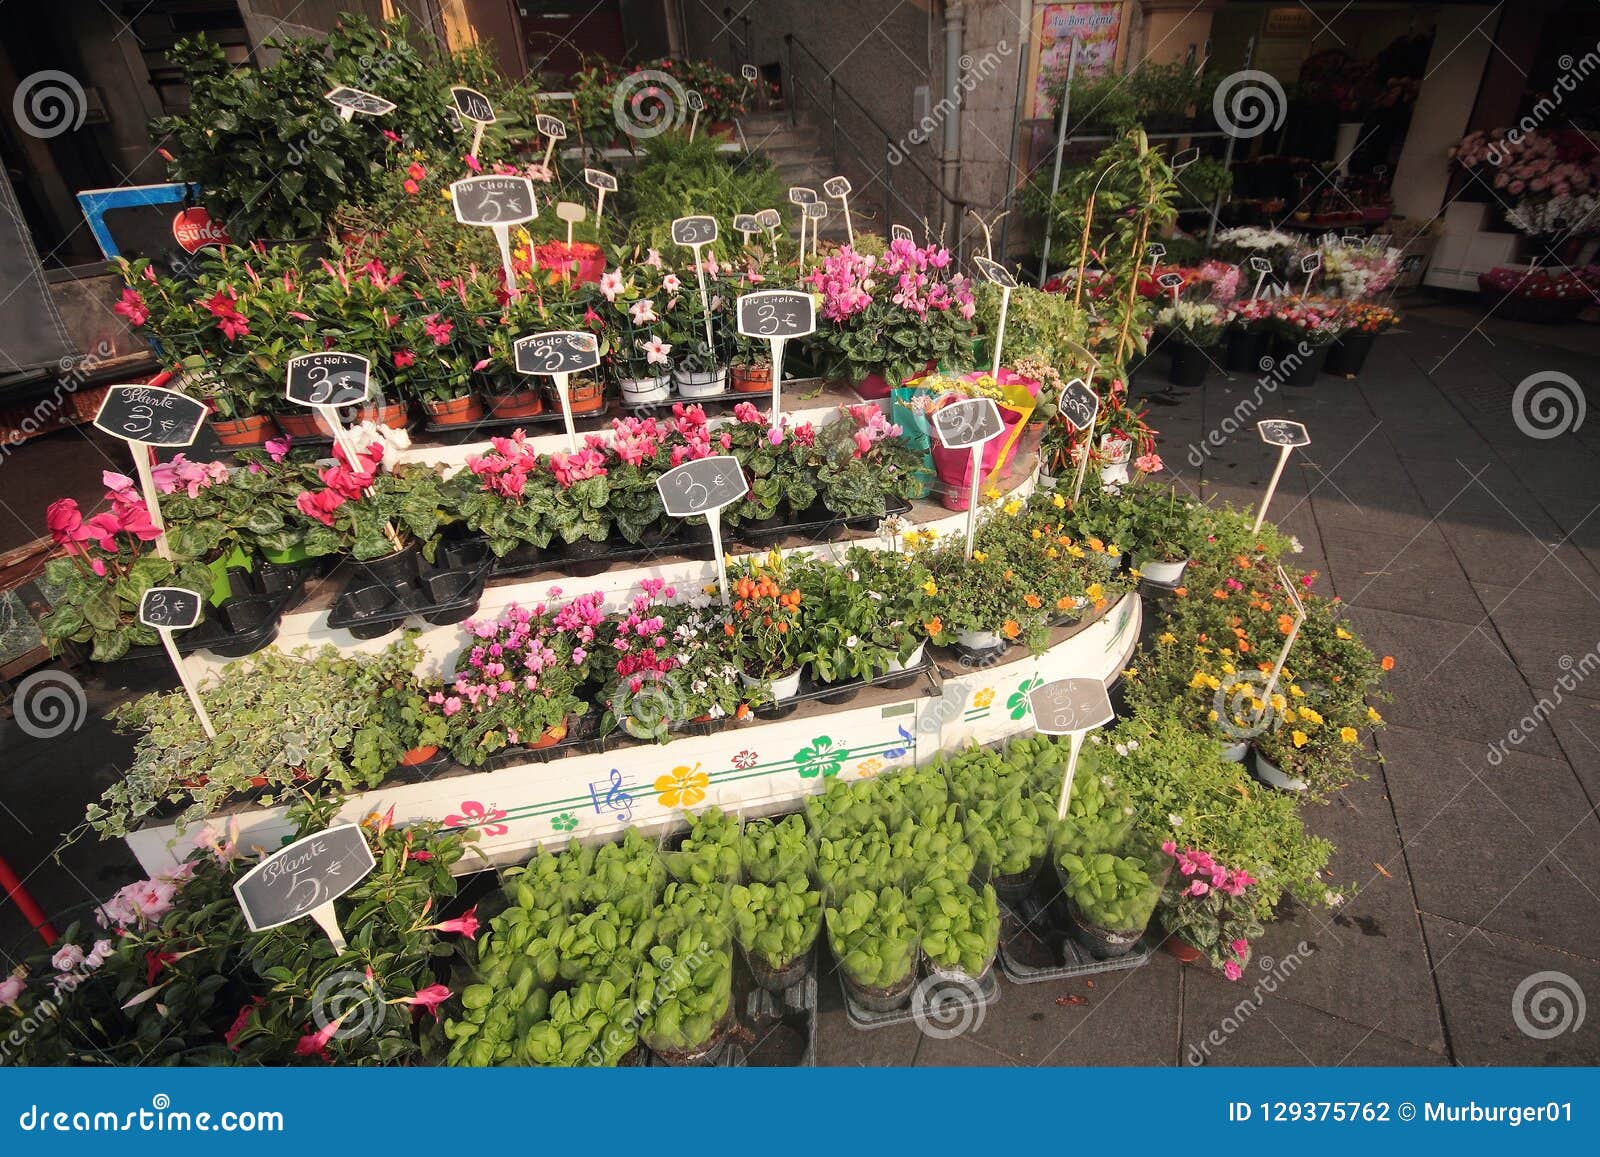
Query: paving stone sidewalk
(1466,549)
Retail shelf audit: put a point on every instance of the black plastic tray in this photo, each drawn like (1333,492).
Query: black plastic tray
(467,574)
(1035,945)
(836,694)
(866,1019)
(818,522)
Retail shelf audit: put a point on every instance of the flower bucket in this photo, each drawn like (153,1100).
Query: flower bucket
(1349,354)
(783,686)
(1245,346)
(645,391)
(395,415)
(1118,452)
(1270,774)
(1307,368)
(221,581)
(462,411)
(895,666)
(1234,752)
(419,755)
(521,404)
(253,430)
(392,569)
(751,379)
(701,383)
(1190,364)
(872,387)
(1181,949)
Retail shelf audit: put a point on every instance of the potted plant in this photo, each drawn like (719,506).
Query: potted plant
(642,351)
(1364,322)
(750,365)
(593,1023)
(1010,835)
(1206,912)
(1304,329)
(980,606)
(1247,335)
(1163,529)
(579,512)
(1192,330)
(778,849)
(874,938)
(687,988)
(765,626)
(1112,891)
(700,369)
(960,927)
(508,496)
(709,853)
(866,614)
(545,648)
(777,925)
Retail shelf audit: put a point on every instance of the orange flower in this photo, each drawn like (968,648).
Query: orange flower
(1034,602)
(1219,593)
(1285,623)
(934,625)
(1244,647)
(1182,592)
(741,711)
(783,628)
(1096,544)
(727,629)
(1011,629)
(1064,603)
(1388,663)
(1264,666)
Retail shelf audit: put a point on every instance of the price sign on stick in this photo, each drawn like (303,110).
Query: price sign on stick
(746,225)
(1070,707)
(777,315)
(705,486)
(350,101)
(471,105)
(815,212)
(602,183)
(697,105)
(1294,633)
(169,609)
(1080,405)
(999,275)
(558,354)
(1309,264)
(840,187)
(697,233)
(802,196)
(497,203)
(969,423)
(1262,267)
(901,233)
(1285,435)
(571,212)
(1172,282)
(749,72)
(769,219)
(326,381)
(304,879)
(150,416)
(552,128)
(1157,251)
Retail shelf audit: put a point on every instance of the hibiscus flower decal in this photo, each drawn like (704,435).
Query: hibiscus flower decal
(820,757)
(475,815)
(564,822)
(1018,702)
(682,786)
(745,760)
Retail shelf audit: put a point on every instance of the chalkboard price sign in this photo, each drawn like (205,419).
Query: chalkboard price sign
(1311,262)
(1170,280)
(1079,404)
(1156,250)
(328,379)
(562,351)
(1069,705)
(816,210)
(150,414)
(694,231)
(837,186)
(800,195)
(553,127)
(771,313)
(600,179)
(353,100)
(1261,265)
(306,875)
(702,486)
(969,422)
(746,223)
(995,272)
(1282,432)
(769,219)
(695,101)
(472,105)
(901,233)
(494,200)
(169,608)
(748,71)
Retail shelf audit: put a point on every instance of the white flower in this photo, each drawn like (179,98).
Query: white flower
(1120,748)
(1295,545)
(1175,819)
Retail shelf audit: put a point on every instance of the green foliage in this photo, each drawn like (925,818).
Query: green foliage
(777,922)
(778,849)
(960,926)
(709,852)
(678,176)
(874,938)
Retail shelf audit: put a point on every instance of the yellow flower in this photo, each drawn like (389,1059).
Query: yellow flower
(1199,680)
(1341,633)
(1096,592)
(1373,716)
(1052,553)
(682,786)
(1213,682)
(930,587)
(983,698)
(992,493)
(1131,672)
(1279,703)
(1166,638)
(1228,668)
(979,556)
(1211,716)
(1037,533)
(1308,713)
(1294,689)
(1075,551)
(1300,738)
(1348,734)
(1058,502)
(1013,506)
(1114,550)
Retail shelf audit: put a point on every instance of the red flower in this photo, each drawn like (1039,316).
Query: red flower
(240,1021)
(403,358)
(465,925)
(320,505)
(132,307)
(428,999)
(154,962)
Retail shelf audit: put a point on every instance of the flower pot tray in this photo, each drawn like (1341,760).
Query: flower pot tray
(713,404)
(213,633)
(812,691)
(1035,945)
(444,593)
(956,1001)
(818,522)
(550,419)
(580,735)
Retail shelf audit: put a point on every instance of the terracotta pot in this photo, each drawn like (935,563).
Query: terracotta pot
(300,424)
(550,738)
(455,411)
(419,755)
(251,431)
(395,415)
(522,404)
(751,379)
(586,397)
(1181,949)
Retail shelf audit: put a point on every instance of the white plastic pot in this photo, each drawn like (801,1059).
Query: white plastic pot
(1268,773)
(978,640)
(1166,573)
(783,686)
(912,660)
(701,383)
(646,391)
(1235,752)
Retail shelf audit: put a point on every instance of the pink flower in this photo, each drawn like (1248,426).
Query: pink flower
(11,989)
(403,358)
(1197,888)
(656,351)
(642,311)
(131,306)
(439,329)
(319,506)
(611,284)
(278,448)
(1232,971)
(1148,463)
(472,163)
(428,999)
(1240,947)
(465,925)
(239,1022)
(670,283)
(67,958)
(316,1044)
